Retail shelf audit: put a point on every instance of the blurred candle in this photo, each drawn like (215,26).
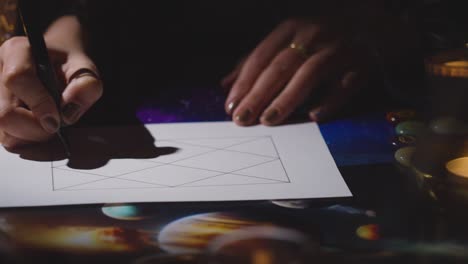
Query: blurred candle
(458,167)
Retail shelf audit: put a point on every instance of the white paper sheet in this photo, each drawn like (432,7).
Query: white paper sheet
(213,161)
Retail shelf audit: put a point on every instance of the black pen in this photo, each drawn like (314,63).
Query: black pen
(44,68)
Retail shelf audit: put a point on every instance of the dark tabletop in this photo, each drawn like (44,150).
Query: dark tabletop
(391,216)
(396,215)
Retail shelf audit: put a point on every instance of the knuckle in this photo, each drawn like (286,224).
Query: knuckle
(278,66)
(12,74)
(242,86)
(5,112)
(15,43)
(257,59)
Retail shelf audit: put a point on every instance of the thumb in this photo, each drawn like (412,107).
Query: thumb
(83,89)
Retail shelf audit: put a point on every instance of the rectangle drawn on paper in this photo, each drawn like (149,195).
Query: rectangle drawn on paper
(198,162)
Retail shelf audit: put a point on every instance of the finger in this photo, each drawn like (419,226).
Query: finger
(277,75)
(83,90)
(257,62)
(18,75)
(17,120)
(10,142)
(267,86)
(344,89)
(304,81)
(21,123)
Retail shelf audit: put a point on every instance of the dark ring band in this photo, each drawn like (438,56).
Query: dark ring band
(83,72)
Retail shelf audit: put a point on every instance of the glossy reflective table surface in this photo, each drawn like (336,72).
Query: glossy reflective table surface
(397,214)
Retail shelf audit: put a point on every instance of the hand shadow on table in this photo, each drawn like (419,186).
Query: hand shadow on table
(94,147)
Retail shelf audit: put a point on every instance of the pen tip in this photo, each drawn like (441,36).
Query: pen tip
(66,146)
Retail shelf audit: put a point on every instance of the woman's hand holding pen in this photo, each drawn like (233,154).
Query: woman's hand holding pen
(27,111)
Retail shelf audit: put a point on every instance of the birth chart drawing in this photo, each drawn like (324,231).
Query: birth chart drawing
(198,162)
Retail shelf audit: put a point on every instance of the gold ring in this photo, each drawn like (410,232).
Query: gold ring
(299,48)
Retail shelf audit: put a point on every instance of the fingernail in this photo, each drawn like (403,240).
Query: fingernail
(231,106)
(244,116)
(71,112)
(50,124)
(316,115)
(271,116)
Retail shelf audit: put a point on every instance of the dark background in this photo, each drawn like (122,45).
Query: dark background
(157,51)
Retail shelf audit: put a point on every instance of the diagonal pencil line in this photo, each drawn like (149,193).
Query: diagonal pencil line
(240,143)
(114,176)
(221,137)
(279,157)
(213,150)
(230,150)
(53,176)
(189,167)
(151,183)
(245,152)
(72,186)
(223,148)
(132,180)
(232,184)
(221,172)
(214,176)
(95,189)
(131,172)
(190,144)
(102,176)
(258,177)
(213,185)
(84,172)
(251,166)
(232,172)
(193,156)
(265,137)
(257,164)
(201,154)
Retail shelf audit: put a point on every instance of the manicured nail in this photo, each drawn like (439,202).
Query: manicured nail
(71,112)
(316,115)
(271,116)
(244,116)
(50,124)
(231,106)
